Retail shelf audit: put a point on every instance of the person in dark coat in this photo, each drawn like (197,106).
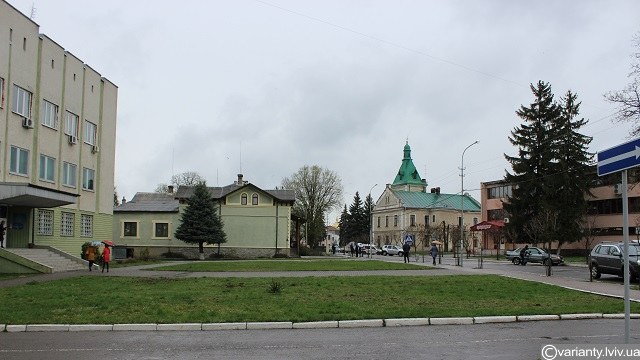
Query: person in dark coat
(523,253)
(405,251)
(434,252)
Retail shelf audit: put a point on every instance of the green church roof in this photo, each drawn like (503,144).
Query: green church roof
(408,174)
(422,200)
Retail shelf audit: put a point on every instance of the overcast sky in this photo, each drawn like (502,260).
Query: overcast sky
(266,87)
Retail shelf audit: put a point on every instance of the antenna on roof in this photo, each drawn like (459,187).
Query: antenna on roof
(33,11)
(240,157)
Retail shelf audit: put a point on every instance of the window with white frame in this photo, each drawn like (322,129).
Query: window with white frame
(21,103)
(412,220)
(90,131)
(19,161)
(45,222)
(71,123)
(47,168)
(69,174)
(66,224)
(254,199)
(49,115)
(395,220)
(86,225)
(88,178)
(1,92)
(243,199)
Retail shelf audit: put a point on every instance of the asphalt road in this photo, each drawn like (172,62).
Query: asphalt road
(490,341)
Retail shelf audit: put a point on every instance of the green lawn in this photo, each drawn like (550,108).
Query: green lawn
(290,265)
(89,299)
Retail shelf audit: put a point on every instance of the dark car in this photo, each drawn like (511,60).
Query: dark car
(534,255)
(607,258)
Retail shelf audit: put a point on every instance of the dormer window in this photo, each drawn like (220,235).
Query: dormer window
(254,199)
(243,199)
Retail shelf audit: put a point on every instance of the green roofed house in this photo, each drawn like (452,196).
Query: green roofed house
(405,210)
(257,222)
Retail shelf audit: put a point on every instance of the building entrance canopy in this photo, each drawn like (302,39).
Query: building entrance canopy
(33,196)
(488,225)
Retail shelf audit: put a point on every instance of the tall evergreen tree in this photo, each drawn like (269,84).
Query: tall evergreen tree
(358,223)
(572,178)
(368,208)
(533,164)
(200,222)
(344,226)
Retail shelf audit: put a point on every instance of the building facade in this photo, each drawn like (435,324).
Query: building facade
(405,210)
(257,222)
(57,141)
(603,223)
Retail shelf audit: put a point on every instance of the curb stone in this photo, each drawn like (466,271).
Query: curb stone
(90,327)
(360,323)
(48,327)
(224,326)
(16,328)
(537,317)
(316,325)
(269,325)
(406,322)
(620,316)
(135,327)
(451,321)
(580,316)
(179,327)
(494,319)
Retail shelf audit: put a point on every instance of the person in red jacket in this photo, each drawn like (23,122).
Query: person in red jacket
(106,257)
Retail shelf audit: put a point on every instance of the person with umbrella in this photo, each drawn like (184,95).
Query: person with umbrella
(106,255)
(90,254)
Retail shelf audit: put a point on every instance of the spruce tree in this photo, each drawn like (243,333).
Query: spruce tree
(358,228)
(533,164)
(200,222)
(344,227)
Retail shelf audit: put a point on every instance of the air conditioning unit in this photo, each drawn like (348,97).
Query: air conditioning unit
(27,123)
(95,149)
(73,140)
(617,189)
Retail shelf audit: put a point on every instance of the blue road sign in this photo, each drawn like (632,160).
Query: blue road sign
(618,158)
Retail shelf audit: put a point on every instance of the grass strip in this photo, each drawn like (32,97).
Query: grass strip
(289,265)
(108,300)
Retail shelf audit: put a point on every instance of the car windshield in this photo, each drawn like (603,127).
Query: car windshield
(634,250)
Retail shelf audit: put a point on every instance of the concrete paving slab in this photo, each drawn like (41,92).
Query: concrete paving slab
(225,326)
(91,327)
(316,325)
(360,323)
(406,322)
(269,325)
(179,327)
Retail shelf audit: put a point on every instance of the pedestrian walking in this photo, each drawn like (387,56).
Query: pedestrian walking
(405,251)
(106,257)
(523,254)
(90,255)
(2,230)
(434,252)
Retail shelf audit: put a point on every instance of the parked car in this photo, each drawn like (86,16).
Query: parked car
(534,255)
(392,250)
(371,249)
(607,258)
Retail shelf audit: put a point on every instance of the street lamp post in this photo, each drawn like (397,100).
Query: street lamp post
(370,219)
(460,256)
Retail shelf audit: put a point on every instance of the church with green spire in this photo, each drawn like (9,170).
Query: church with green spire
(406,210)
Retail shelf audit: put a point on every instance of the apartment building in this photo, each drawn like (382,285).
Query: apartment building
(57,141)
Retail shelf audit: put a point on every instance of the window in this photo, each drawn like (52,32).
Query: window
(45,222)
(69,174)
(49,114)
(161,230)
(475,221)
(433,219)
(499,192)
(378,221)
(19,161)
(86,225)
(1,92)
(243,199)
(386,221)
(254,199)
(88,178)
(71,123)
(47,168)
(21,104)
(130,229)
(412,220)
(66,222)
(90,131)
(395,220)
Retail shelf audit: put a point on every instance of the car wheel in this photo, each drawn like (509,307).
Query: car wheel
(385,253)
(516,261)
(595,272)
(400,253)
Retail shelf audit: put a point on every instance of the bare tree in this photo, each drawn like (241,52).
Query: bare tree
(628,99)
(589,232)
(189,178)
(317,191)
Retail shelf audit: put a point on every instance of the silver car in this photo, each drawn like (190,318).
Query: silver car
(392,250)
